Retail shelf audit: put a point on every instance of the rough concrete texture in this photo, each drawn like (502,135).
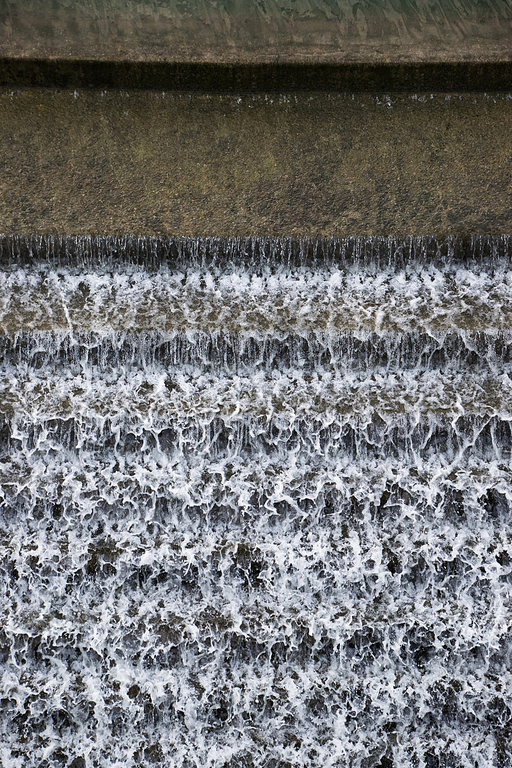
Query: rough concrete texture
(258,30)
(304,164)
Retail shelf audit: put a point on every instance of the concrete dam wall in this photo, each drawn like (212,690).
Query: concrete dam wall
(255,390)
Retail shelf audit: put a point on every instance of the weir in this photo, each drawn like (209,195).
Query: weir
(255,402)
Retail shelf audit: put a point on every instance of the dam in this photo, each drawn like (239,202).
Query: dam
(256,390)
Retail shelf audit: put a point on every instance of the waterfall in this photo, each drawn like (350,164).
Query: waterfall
(255,502)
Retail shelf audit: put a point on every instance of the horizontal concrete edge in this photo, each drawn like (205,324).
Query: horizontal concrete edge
(246,31)
(406,77)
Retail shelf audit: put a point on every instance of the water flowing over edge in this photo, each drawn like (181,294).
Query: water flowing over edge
(251,253)
(255,503)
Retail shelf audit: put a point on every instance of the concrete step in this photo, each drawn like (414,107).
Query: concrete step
(84,162)
(305,30)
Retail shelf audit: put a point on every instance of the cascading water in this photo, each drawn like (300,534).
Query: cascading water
(256,503)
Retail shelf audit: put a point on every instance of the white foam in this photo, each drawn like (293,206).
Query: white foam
(249,535)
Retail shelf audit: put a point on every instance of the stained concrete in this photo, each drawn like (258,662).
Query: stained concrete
(303,164)
(257,30)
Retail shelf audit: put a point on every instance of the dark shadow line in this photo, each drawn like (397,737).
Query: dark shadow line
(270,77)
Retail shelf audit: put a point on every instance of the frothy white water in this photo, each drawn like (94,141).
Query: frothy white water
(268,538)
(431,300)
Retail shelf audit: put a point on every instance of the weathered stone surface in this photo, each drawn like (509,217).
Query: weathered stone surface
(304,164)
(250,31)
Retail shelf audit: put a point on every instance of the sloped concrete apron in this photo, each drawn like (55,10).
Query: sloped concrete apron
(248,31)
(78,161)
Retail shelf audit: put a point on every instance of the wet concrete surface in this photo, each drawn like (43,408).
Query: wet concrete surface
(303,164)
(263,31)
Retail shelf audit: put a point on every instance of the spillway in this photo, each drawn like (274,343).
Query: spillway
(256,502)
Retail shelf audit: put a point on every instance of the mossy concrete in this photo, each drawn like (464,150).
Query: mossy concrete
(257,30)
(303,164)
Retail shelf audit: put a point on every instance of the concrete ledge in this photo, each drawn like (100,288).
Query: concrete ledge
(305,164)
(246,31)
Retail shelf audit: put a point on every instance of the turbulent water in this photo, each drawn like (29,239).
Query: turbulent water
(256,503)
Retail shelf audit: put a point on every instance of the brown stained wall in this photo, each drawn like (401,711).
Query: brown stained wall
(257,30)
(303,164)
